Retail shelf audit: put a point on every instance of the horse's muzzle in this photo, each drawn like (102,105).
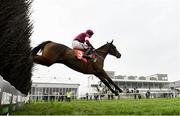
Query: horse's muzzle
(118,55)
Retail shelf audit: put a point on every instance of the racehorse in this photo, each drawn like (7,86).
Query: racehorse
(58,53)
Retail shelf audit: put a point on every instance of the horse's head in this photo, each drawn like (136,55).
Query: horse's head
(112,50)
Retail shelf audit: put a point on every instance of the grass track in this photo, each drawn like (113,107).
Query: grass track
(104,107)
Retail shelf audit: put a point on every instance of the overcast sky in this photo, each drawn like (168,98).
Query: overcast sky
(146,32)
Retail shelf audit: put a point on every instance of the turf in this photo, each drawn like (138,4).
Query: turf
(104,107)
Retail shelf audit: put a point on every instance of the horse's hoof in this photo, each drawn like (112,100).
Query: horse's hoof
(116,94)
(120,90)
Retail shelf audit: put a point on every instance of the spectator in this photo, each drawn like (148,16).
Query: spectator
(148,94)
(138,94)
(61,97)
(135,93)
(109,95)
(45,97)
(95,96)
(69,95)
(87,96)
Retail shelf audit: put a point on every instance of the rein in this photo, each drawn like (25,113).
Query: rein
(98,55)
(101,51)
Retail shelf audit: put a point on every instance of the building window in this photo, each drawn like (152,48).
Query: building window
(150,85)
(142,78)
(131,77)
(153,78)
(119,77)
(139,85)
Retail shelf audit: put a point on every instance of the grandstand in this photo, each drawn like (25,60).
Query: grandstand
(157,84)
(52,88)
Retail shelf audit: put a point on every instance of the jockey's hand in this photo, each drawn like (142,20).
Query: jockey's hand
(92,48)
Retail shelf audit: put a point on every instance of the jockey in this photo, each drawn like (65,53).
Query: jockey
(81,42)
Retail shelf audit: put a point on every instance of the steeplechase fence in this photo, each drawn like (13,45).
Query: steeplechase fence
(10,98)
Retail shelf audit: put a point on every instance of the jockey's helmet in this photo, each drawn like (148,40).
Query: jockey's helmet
(89,32)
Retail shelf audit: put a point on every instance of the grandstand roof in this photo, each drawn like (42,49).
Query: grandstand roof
(154,81)
(54,80)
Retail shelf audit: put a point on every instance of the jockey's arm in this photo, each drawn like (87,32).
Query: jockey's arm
(89,44)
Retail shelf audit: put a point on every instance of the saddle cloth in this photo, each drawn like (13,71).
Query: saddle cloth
(79,55)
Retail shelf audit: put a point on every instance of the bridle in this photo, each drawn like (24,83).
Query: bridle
(102,51)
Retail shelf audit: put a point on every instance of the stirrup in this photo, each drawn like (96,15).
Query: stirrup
(92,60)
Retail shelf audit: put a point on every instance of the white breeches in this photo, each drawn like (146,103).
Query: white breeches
(79,45)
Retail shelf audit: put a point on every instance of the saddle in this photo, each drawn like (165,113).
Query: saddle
(79,55)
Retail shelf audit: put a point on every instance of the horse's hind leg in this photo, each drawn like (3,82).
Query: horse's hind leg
(41,60)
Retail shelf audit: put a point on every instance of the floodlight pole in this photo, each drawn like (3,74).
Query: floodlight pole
(89,83)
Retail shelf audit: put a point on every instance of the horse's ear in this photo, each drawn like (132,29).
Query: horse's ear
(112,41)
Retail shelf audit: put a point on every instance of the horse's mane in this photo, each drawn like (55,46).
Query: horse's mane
(102,46)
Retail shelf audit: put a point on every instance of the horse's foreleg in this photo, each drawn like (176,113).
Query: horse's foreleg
(106,83)
(111,82)
(41,60)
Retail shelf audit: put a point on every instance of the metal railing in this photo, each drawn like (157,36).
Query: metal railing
(151,95)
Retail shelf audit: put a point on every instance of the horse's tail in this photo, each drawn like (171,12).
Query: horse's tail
(35,50)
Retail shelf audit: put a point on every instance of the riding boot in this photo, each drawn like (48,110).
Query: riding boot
(86,53)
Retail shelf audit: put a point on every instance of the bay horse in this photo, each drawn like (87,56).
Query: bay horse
(58,53)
